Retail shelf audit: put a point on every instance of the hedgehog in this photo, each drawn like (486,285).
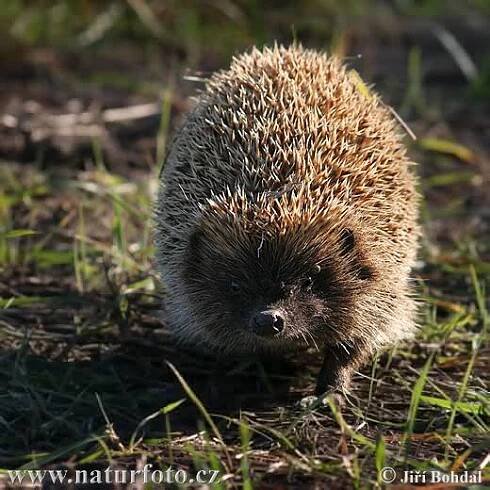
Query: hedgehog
(286,217)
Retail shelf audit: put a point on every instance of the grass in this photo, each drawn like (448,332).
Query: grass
(88,374)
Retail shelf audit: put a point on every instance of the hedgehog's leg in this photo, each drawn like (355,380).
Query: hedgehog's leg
(337,368)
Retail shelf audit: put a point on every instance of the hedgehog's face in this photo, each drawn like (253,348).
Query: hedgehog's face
(267,292)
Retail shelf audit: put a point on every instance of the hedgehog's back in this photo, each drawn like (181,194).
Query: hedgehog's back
(289,120)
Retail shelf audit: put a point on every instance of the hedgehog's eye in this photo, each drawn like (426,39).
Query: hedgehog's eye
(285,289)
(234,287)
(288,291)
(316,269)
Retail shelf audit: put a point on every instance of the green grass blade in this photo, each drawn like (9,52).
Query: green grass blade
(199,405)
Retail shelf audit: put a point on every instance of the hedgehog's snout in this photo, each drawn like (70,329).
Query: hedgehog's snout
(267,323)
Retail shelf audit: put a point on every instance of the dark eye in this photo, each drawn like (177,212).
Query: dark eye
(316,269)
(285,289)
(235,287)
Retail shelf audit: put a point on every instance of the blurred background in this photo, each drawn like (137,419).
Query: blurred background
(428,58)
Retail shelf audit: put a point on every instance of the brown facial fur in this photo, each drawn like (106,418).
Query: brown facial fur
(288,188)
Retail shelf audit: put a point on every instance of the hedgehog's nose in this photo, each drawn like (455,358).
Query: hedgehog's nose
(267,323)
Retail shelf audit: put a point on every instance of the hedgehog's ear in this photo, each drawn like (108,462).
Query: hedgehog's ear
(365,272)
(347,241)
(348,245)
(194,247)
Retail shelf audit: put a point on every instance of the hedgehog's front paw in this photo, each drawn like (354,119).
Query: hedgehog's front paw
(309,402)
(312,402)
(336,396)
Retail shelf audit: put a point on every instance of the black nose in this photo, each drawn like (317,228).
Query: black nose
(267,323)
